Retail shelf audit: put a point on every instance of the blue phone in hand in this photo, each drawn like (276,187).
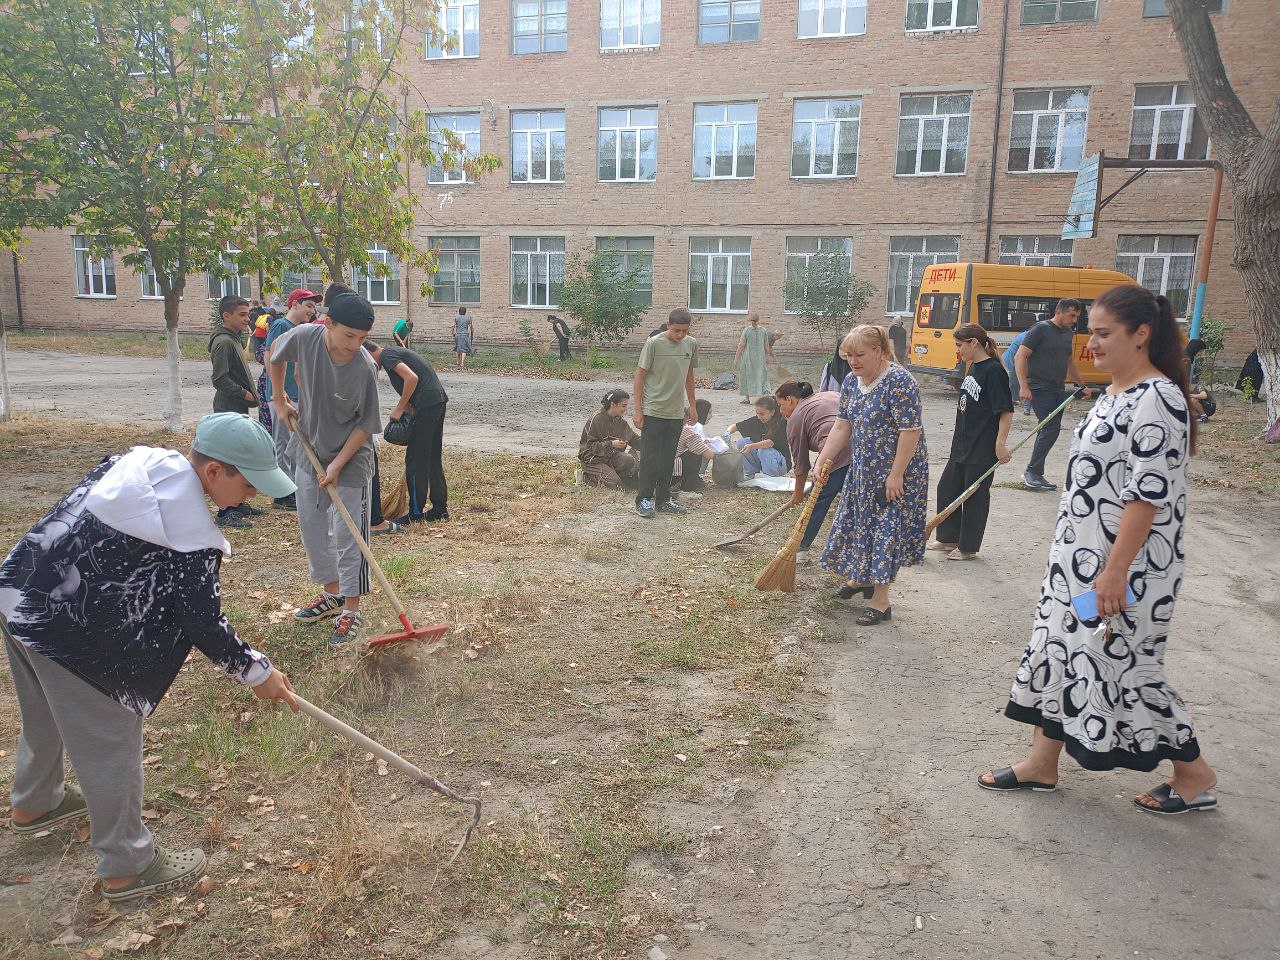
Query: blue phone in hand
(1086,603)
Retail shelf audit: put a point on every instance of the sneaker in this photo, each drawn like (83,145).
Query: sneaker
(431,516)
(347,628)
(803,556)
(285,503)
(71,808)
(644,507)
(247,509)
(671,506)
(322,607)
(232,519)
(1032,482)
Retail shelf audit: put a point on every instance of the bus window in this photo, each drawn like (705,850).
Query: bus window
(938,311)
(1013,314)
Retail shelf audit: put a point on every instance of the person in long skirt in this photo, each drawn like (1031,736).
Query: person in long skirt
(1094,682)
(463,333)
(984,414)
(879,524)
(752,359)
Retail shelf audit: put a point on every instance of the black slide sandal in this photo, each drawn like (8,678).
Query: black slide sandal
(871,617)
(1006,781)
(1171,804)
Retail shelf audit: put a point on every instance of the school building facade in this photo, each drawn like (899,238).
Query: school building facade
(719,143)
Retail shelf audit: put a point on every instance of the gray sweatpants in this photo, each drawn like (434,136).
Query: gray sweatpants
(331,553)
(104,742)
(281,434)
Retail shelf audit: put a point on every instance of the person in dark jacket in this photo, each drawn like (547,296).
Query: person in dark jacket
(561,331)
(100,605)
(233,385)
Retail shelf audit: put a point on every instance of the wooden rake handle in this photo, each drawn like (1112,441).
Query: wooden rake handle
(758,527)
(356,535)
(397,761)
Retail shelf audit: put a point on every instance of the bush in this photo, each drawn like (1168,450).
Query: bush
(601,298)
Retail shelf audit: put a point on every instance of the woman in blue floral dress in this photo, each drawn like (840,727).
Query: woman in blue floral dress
(879,525)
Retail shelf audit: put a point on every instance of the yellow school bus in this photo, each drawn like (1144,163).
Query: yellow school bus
(1006,300)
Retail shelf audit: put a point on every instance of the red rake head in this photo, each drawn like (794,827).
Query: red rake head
(433,632)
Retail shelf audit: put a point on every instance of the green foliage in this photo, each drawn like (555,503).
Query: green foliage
(1214,334)
(526,331)
(1249,389)
(599,361)
(601,297)
(826,294)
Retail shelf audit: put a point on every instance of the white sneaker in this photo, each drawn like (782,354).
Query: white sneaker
(803,556)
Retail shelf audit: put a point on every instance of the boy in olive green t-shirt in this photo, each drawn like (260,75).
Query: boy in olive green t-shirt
(664,402)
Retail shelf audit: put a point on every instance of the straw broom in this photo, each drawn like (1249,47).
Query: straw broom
(395,504)
(780,574)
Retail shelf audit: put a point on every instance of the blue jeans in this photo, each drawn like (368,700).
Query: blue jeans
(767,461)
(835,483)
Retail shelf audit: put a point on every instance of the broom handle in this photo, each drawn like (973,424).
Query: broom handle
(819,481)
(973,488)
(396,605)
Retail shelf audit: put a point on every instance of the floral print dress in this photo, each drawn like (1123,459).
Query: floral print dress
(1104,693)
(868,542)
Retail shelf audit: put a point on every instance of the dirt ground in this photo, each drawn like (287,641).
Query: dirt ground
(672,764)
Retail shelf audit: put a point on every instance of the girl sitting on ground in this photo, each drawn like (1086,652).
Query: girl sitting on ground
(603,446)
(763,441)
(693,452)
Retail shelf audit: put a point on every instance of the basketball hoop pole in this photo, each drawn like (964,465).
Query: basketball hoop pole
(1202,278)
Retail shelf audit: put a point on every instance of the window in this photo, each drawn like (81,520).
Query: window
(537,271)
(1161,264)
(801,250)
(1159,8)
(368,17)
(933,134)
(938,311)
(1015,314)
(719,273)
(824,138)
(308,278)
(147,278)
(908,258)
(942,14)
(628,24)
(728,21)
(539,26)
(1166,125)
(1047,251)
(460,23)
(229,282)
(628,139)
(95,276)
(831,18)
(457,278)
(448,167)
(537,146)
(379,280)
(634,254)
(1048,130)
(724,141)
(1058,11)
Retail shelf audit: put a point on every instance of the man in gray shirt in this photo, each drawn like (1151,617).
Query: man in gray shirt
(338,397)
(1046,357)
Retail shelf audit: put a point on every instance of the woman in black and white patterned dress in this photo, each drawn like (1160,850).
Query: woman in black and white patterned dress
(1096,684)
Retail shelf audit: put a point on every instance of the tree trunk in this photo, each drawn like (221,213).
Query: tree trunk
(1257,250)
(6,400)
(173,409)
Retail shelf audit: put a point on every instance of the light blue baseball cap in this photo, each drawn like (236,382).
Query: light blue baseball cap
(244,443)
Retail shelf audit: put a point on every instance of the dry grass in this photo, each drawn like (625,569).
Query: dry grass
(600,671)
(1230,442)
(108,344)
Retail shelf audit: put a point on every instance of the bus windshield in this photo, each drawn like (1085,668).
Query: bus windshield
(938,311)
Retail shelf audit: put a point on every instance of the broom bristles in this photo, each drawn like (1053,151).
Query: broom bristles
(780,574)
(396,503)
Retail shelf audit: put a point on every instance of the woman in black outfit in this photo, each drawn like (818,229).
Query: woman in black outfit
(983,416)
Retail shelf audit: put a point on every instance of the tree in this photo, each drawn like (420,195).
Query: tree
(601,297)
(118,117)
(826,294)
(1251,162)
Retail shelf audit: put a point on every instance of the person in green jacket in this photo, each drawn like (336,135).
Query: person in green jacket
(234,390)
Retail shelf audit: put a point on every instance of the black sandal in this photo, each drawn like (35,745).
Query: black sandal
(871,617)
(1006,781)
(1170,804)
(846,592)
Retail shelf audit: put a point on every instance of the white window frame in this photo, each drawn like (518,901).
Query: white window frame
(947,120)
(628,258)
(542,17)
(731,21)
(631,130)
(382,18)
(735,128)
(838,125)
(547,135)
(1166,257)
(917,262)
(455,253)
(147,278)
(309,278)
(470,139)
(932,5)
(847,7)
(1058,117)
(1024,250)
(367,280)
(550,259)
(631,13)
(96,270)
(1147,12)
(1187,125)
(802,258)
(735,263)
(1058,7)
(236,285)
(453,20)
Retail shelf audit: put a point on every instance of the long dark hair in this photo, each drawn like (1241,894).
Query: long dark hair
(973,331)
(612,397)
(1135,306)
(799,389)
(838,366)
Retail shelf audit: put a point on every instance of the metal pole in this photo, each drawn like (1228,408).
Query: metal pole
(1202,281)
